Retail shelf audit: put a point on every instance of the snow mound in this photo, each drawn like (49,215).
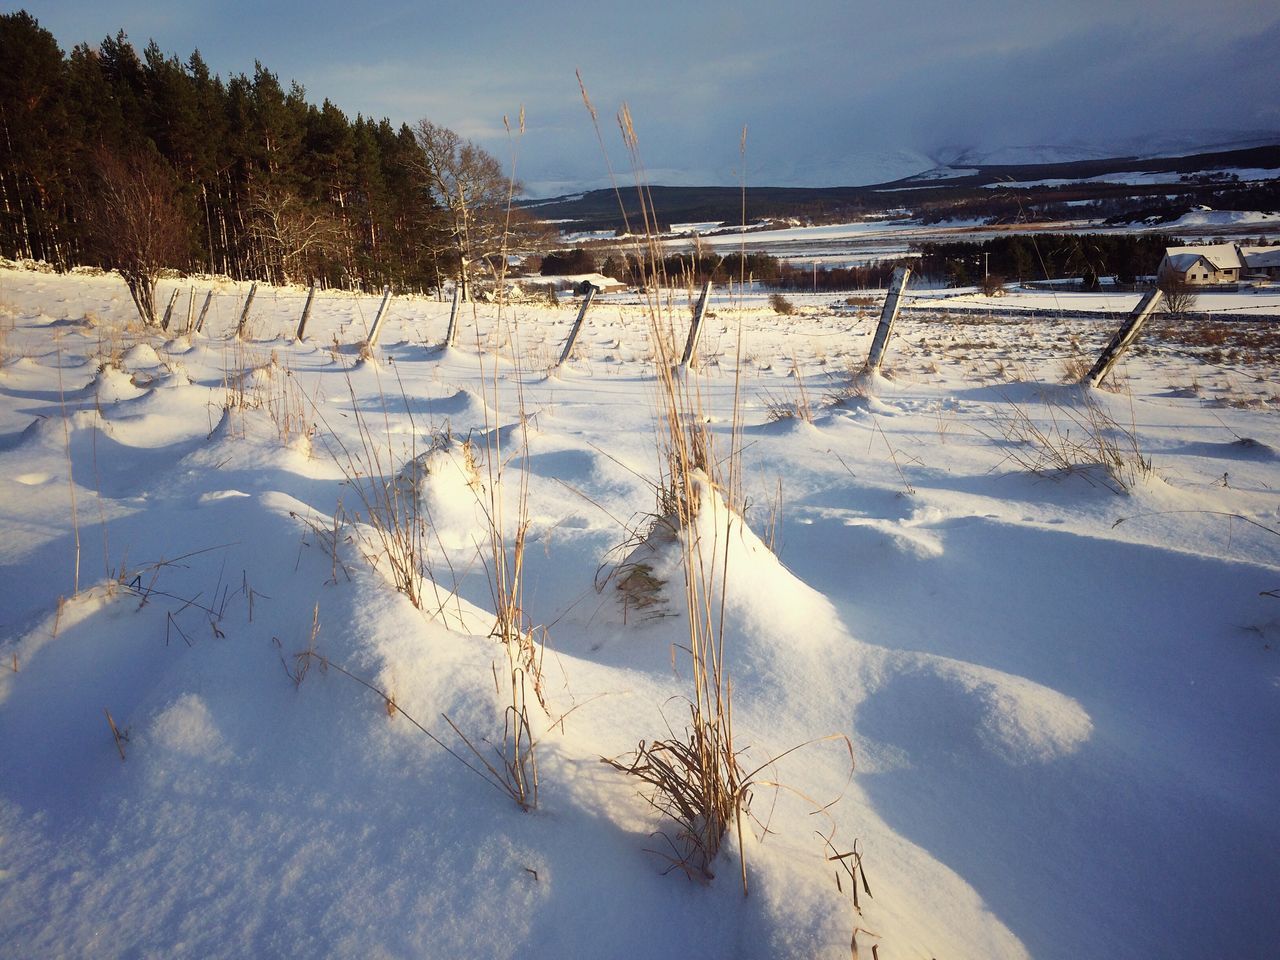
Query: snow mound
(111,385)
(447,487)
(141,355)
(1022,722)
(462,411)
(187,727)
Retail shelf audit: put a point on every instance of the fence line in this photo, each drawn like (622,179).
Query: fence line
(403,310)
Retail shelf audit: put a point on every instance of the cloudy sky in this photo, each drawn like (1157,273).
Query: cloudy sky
(830,91)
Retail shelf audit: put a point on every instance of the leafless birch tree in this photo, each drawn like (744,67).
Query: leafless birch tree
(473,193)
(135,222)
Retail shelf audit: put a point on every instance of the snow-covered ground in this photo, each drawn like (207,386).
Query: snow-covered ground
(1140,178)
(856,230)
(851,244)
(1061,686)
(1226,218)
(866,241)
(1253,301)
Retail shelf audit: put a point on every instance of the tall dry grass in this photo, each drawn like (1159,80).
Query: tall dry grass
(694,775)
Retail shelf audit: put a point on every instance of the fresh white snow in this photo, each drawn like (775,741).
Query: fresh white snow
(1062,699)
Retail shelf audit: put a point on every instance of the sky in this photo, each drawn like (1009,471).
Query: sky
(828,92)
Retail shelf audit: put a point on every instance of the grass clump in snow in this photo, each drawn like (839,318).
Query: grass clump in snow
(696,779)
(1075,367)
(263,383)
(391,509)
(695,775)
(512,628)
(507,543)
(796,407)
(1084,440)
(855,387)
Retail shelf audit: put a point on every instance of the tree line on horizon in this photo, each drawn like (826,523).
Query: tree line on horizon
(147,162)
(1043,256)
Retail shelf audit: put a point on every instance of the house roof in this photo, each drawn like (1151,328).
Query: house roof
(1257,258)
(1221,256)
(1182,262)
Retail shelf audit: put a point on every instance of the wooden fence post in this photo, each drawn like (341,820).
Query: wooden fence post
(377,320)
(191,310)
(208,299)
(244,314)
(577,325)
(168,311)
(453,319)
(691,345)
(892,304)
(306,312)
(1124,337)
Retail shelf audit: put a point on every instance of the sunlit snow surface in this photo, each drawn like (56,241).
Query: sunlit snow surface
(1062,700)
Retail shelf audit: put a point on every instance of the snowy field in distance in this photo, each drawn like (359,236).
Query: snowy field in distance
(1139,178)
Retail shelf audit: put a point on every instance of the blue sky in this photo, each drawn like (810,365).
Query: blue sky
(830,92)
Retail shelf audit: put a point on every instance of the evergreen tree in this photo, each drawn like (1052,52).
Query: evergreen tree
(34,140)
(265,184)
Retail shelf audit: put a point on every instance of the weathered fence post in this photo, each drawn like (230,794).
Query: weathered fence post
(208,299)
(1124,337)
(377,320)
(453,319)
(306,312)
(168,311)
(244,314)
(191,310)
(892,304)
(577,324)
(691,345)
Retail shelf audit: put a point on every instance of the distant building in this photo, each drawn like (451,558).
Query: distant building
(577,283)
(1220,263)
(1262,262)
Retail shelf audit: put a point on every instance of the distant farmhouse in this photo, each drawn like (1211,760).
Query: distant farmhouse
(1220,263)
(577,283)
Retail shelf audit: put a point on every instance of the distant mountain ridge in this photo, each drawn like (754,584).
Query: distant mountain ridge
(814,168)
(947,186)
(1265,156)
(1175,144)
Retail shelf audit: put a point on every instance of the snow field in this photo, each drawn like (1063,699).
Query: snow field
(1061,699)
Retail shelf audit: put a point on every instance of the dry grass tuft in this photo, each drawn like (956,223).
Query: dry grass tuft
(1086,441)
(698,784)
(856,386)
(796,407)
(640,590)
(781,304)
(394,524)
(1075,368)
(521,641)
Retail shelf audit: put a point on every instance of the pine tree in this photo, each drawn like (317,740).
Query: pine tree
(34,140)
(261,183)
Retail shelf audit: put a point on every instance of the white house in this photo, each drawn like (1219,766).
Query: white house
(1212,263)
(1220,263)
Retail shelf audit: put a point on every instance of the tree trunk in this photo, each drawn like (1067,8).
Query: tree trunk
(143,290)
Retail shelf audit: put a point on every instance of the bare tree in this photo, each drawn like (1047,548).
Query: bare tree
(473,193)
(1179,293)
(291,232)
(135,221)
